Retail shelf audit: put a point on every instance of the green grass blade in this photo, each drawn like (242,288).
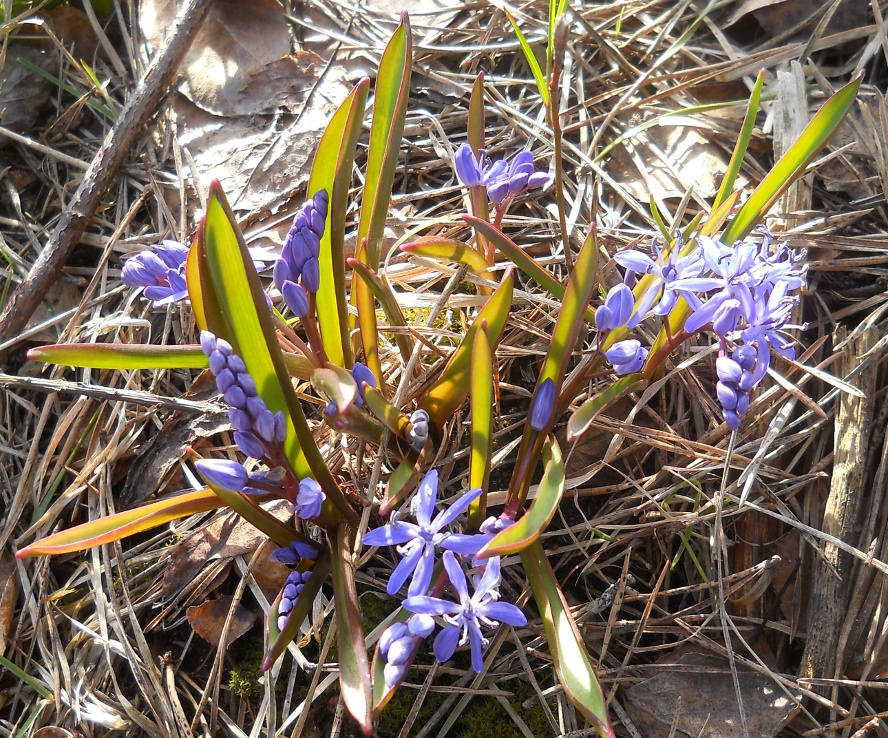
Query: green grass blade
(26,678)
(354,666)
(481,401)
(120,525)
(658,220)
(532,61)
(332,171)
(742,142)
(120,356)
(451,389)
(389,113)
(581,420)
(93,103)
(569,656)
(792,164)
(531,525)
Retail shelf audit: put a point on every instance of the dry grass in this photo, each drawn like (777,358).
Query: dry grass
(105,648)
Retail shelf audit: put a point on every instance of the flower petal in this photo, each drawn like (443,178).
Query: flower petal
(503,612)
(453,512)
(445,643)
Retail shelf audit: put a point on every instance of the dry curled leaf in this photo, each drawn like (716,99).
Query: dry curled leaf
(8,596)
(24,92)
(227,536)
(692,694)
(208,620)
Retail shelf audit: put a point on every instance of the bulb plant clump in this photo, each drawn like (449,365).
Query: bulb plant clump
(314,325)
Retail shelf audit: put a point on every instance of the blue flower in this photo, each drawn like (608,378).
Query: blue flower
(309,499)
(299,255)
(464,618)
(292,589)
(627,357)
(161,271)
(417,542)
(419,429)
(223,473)
(617,309)
(501,178)
(542,407)
(668,268)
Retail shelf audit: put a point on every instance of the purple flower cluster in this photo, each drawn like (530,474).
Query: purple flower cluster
(398,644)
(419,429)
(292,589)
(161,271)
(298,273)
(503,180)
(463,619)
(743,291)
(417,543)
(256,428)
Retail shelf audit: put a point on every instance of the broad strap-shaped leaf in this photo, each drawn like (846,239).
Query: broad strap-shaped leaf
(532,61)
(386,413)
(251,331)
(481,399)
(742,142)
(514,253)
(451,389)
(792,164)
(402,480)
(449,249)
(332,171)
(569,656)
(581,420)
(279,639)
(389,113)
(121,356)
(574,306)
(120,525)
(354,666)
(530,526)
(382,291)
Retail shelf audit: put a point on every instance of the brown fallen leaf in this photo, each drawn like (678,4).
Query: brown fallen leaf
(8,597)
(208,620)
(24,92)
(692,693)
(779,16)
(222,539)
(73,29)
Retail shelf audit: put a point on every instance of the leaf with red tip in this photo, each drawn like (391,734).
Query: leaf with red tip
(531,525)
(581,420)
(120,525)
(354,666)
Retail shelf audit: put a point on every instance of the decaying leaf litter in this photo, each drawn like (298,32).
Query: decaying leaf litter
(103,641)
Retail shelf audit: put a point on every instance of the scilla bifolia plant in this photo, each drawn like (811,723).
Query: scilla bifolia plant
(718,275)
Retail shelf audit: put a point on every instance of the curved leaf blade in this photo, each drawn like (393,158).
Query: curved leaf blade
(382,291)
(121,356)
(331,170)
(120,525)
(354,666)
(569,656)
(451,389)
(531,525)
(581,420)
(742,142)
(792,164)
(481,402)
(447,249)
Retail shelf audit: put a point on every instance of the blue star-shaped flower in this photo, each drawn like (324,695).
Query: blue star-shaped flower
(417,541)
